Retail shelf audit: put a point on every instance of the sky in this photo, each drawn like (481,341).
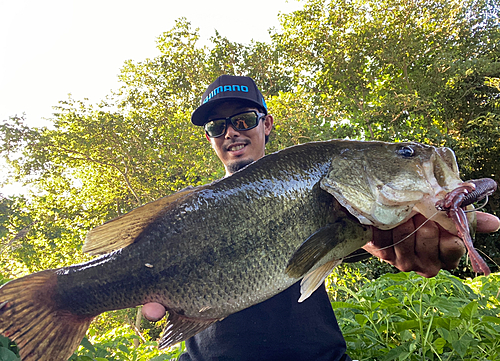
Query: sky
(52,48)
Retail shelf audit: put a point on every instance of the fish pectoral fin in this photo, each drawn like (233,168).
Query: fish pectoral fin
(314,279)
(179,328)
(312,250)
(332,242)
(123,231)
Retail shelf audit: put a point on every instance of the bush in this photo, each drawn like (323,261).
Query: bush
(405,316)
(118,345)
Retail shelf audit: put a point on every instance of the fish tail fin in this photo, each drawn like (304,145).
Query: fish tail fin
(30,316)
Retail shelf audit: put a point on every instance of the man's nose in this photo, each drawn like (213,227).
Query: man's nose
(231,132)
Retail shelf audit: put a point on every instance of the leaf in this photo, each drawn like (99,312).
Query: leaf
(161,358)
(389,302)
(4,341)
(439,344)
(337,305)
(406,325)
(469,310)
(447,306)
(123,348)
(495,320)
(400,352)
(397,277)
(86,343)
(461,346)
(361,319)
(7,355)
(445,334)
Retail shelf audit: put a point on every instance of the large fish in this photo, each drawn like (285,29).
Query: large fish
(207,252)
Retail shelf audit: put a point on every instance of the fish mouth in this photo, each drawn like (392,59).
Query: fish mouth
(443,176)
(442,172)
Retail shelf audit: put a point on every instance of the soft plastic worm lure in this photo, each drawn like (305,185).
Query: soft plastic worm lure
(454,203)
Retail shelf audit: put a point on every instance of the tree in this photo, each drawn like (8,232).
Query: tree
(96,162)
(392,68)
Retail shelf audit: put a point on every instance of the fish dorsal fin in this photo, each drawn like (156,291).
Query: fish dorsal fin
(314,279)
(180,328)
(332,242)
(122,231)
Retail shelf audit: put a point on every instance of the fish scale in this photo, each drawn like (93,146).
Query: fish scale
(207,252)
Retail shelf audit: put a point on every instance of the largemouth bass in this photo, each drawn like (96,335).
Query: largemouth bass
(207,252)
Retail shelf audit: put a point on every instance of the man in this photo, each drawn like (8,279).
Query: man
(234,116)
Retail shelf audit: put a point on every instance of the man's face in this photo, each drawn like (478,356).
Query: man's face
(237,148)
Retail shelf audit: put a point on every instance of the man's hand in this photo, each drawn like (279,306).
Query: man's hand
(427,251)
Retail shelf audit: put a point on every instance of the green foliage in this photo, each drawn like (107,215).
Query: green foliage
(118,345)
(8,350)
(395,70)
(404,316)
(424,70)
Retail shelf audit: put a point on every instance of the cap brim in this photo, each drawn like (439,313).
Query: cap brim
(200,115)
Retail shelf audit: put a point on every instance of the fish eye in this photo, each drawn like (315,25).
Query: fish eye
(406,151)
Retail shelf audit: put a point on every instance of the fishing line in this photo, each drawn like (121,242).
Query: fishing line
(416,229)
(478,208)
(491,259)
(401,240)
(409,235)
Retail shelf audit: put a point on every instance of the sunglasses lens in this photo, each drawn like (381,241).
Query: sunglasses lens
(216,128)
(244,121)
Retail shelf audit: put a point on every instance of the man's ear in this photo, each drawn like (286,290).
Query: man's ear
(268,124)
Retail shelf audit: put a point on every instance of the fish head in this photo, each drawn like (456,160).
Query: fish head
(384,184)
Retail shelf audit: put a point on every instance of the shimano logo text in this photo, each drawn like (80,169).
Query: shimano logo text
(226,88)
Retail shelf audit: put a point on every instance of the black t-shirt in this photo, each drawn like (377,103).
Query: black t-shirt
(277,329)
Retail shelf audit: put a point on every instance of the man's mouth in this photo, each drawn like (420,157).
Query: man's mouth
(235,147)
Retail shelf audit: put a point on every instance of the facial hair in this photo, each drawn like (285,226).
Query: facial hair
(236,166)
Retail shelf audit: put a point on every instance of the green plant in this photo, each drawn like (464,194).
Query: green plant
(8,350)
(118,345)
(404,316)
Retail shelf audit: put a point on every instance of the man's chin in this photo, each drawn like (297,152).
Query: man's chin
(237,165)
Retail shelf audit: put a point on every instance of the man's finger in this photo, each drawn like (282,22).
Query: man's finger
(451,249)
(427,261)
(403,237)
(377,247)
(487,223)
(153,311)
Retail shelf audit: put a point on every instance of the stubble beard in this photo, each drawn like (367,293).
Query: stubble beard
(237,165)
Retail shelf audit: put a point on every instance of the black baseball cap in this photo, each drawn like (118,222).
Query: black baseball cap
(224,88)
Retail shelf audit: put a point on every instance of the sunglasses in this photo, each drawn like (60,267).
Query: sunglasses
(241,121)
